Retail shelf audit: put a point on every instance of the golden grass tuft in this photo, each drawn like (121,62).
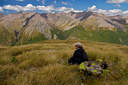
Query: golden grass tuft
(45,63)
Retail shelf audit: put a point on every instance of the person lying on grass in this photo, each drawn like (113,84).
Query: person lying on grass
(79,55)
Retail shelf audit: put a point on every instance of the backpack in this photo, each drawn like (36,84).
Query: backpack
(94,68)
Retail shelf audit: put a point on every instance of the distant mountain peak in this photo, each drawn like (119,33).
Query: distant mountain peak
(27,25)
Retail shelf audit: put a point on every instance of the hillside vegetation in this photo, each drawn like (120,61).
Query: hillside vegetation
(45,63)
(80,33)
(76,33)
(30,27)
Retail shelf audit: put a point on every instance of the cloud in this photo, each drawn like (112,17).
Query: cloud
(18,8)
(125,12)
(30,7)
(118,2)
(19,0)
(64,3)
(59,9)
(93,8)
(54,2)
(43,1)
(1,9)
(108,12)
(45,8)
(65,9)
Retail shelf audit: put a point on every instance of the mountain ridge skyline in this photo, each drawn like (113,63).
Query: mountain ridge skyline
(27,27)
(62,12)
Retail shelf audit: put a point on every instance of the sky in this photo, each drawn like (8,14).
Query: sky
(108,7)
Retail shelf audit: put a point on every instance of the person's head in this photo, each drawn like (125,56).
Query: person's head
(78,45)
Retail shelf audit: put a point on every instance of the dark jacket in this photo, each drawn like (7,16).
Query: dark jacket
(78,57)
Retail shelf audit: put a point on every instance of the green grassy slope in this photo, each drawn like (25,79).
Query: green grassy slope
(29,40)
(118,37)
(45,63)
(60,34)
(77,33)
(7,38)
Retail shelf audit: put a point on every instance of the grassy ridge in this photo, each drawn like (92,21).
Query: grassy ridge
(118,37)
(45,63)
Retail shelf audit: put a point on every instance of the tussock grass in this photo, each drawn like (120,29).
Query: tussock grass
(45,63)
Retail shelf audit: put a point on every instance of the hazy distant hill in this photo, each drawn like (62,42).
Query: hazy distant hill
(29,27)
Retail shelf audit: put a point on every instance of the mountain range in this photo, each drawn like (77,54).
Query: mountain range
(30,27)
